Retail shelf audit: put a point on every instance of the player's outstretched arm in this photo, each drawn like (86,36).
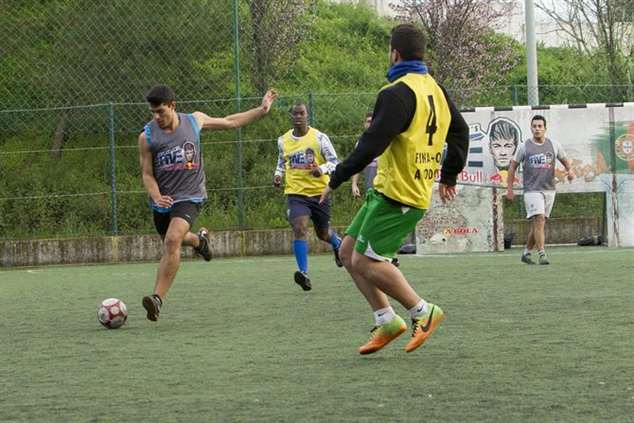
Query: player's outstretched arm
(390,117)
(237,120)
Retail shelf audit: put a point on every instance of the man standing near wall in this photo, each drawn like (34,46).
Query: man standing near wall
(538,158)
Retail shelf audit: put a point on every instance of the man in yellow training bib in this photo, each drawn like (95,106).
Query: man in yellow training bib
(414,120)
(306,157)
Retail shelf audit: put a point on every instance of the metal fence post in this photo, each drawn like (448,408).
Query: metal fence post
(113,168)
(236,56)
(311,108)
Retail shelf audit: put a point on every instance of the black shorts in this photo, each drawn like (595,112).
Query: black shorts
(300,205)
(185,210)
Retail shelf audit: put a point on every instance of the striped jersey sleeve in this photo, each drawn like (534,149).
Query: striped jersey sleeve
(328,152)
(281,162)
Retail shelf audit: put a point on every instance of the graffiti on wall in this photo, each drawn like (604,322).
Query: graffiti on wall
(598,139)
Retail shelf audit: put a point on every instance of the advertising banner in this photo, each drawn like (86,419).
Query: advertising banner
(598,138)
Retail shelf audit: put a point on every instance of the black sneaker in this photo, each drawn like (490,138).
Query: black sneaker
(152,304)
(302,280)
(338,261)
(396,262)
(203,248)
(526,258)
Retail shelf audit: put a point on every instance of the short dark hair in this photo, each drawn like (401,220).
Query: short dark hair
(539,117)
(297,104)
(160,94)
(409,41)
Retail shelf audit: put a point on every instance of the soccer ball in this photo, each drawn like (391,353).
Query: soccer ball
(112,313)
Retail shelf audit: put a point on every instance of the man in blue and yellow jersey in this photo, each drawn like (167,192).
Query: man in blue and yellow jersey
(174,178)
(306,158)
(413,122)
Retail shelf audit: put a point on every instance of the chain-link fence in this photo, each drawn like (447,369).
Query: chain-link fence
(73,75)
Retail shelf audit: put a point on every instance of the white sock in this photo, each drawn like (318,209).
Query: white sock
(383,316)
(526,251)
(419,309)
(542,252)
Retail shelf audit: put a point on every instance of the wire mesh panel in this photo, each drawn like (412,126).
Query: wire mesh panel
(73,79)
(55,172)
(84,52)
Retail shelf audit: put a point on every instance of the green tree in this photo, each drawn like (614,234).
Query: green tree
(602,29)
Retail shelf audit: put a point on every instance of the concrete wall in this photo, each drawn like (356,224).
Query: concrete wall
(225,244)
(144,248)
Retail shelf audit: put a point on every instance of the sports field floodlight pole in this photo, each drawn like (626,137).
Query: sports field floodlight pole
(531,53)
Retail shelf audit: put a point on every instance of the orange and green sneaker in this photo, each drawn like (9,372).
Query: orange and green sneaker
(383,335)
(423,326)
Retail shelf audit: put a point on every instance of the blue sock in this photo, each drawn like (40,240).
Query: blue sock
(335,241)
(300,248)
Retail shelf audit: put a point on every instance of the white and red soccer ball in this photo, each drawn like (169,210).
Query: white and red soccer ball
(112,313)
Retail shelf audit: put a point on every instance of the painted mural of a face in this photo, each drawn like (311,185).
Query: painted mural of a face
(504,136)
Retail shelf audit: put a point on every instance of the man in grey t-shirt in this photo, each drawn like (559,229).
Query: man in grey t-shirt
(174,178)
(538,158)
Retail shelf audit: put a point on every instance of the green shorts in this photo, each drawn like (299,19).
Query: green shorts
(381,226)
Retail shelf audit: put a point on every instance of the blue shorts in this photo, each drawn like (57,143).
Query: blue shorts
(300,205)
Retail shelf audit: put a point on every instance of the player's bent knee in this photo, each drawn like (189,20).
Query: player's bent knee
(172,243)
(300,231)
(299,234)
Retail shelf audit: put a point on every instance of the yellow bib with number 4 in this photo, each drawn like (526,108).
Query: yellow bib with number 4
(409,166)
